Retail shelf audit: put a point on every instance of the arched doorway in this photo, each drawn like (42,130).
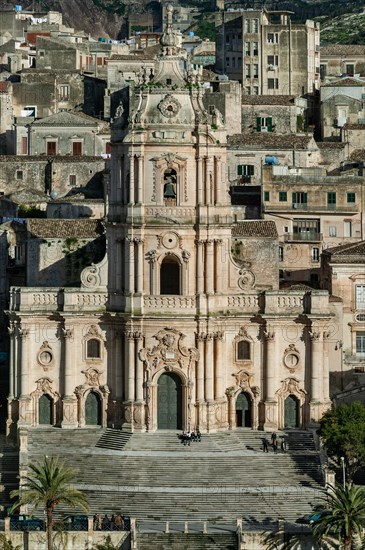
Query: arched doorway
(243,411)
(291,412)
(170,276)
(93,409)
(45,409)
(169,402)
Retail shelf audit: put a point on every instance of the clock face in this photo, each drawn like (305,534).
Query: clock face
(169,106)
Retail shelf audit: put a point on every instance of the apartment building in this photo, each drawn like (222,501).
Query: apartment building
(268,53)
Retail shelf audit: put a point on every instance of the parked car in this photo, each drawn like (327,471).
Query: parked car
(72,523)
(22,522)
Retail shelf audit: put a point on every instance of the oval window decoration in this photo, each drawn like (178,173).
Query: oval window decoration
(45,356)
(291,358)
(169,106)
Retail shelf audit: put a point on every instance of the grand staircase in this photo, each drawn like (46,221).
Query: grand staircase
(154,477)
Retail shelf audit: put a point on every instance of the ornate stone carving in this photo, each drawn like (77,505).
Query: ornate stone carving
(170,352)
(92,377)
(246,280)
(90,276)
(45,386)
(169,106)
(291,386)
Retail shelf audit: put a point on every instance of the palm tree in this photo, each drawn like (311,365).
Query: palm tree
(344,515)
(47,485)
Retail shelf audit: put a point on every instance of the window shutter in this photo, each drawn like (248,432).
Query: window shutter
(250,170)
(258,124)
(240,170)
(305,198)
(269,124)
(294,197)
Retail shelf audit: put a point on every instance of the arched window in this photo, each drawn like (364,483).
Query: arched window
(243,350)
(93,349)
(170,276)
(169,186)
(45,409)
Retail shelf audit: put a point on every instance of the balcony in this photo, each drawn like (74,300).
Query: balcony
(311,208)
(303,236)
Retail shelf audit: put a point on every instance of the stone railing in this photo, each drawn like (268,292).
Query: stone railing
(154,303)
(56,299)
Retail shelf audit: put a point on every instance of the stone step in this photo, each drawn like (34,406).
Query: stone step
(179,541)
(113,439)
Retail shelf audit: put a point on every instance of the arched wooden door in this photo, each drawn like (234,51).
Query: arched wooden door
(243,411)
(291,412)
(169,402)
(93,409)
(45,409)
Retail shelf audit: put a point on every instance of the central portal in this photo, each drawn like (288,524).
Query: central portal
(169,402)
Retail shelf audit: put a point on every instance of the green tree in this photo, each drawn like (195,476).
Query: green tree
(7,544)
(344,516)
(342,429)
(106,545)
(48,484)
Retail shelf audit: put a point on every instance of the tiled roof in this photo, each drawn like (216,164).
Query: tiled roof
(346,82)
(267,140)
(331,144)
(257,228)
(63,229)
(134,56)
(343,49)
(268,99)
(352,249)
(67,118)
(358,155)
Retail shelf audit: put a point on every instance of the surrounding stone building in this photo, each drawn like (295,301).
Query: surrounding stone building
(312,212)
(343,275)
(342,60)
(281,114)
(267,52)
(342,103)
(182,324)
(64,133)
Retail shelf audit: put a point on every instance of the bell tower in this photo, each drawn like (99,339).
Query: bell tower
(169,229)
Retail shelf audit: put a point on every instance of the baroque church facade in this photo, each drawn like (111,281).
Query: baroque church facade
(182,325)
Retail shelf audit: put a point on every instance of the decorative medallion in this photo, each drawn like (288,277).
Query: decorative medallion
(291,358)
(169,106)
(170,240)
(45,356)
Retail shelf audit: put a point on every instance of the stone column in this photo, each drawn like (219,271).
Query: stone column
(131,262)
(118,265)
(218,357)
(316,363)
(139,405)
(209,267)
(140,179)
(200,180)
(218,265)
(152,257)
(271,413)
(209,368)
(69,354)
(12,364)
(325,376)
(24,372)
(139,243)
(118,365)
(69,402)
(207,180)
(217,181)
(199,267)
(131,179)
(129,365)
(316,377)
(200,369)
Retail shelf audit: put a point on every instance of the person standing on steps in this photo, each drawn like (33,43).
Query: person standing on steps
(283,445)
(265,444)
(273,438)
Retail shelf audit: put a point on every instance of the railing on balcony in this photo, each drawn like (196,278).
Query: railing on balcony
(304,236)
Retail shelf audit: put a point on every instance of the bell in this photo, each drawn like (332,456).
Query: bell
(169,192)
